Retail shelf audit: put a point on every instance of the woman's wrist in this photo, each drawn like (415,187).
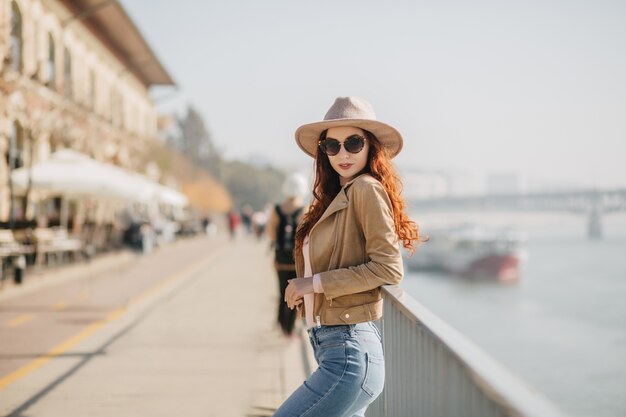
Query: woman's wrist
(317,284)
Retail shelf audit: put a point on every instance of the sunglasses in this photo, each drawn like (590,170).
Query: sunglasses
(352,144)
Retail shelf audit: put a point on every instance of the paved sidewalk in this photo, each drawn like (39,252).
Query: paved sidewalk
(202,343)
(45,277)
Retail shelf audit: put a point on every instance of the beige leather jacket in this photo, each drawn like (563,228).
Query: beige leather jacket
(355,250)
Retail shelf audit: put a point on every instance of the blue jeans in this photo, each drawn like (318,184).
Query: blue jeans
(351,373)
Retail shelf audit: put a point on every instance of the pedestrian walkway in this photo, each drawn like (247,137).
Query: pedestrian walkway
(202,342)
(37,279)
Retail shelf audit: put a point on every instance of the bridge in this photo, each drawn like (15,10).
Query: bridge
(592,204)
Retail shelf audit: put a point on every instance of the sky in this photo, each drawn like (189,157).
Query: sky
(536,88)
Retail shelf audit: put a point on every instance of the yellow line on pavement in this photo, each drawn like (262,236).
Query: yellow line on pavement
(56,351)
(115,314)
(112,316)
(60,305)
(19,320)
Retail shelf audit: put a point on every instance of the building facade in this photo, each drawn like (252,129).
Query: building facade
(73,74)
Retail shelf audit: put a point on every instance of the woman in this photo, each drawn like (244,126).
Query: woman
(281,229)
(346,248)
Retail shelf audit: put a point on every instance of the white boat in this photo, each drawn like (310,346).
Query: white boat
(470,250)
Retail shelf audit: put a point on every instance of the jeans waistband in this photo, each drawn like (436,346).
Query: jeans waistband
(324,329)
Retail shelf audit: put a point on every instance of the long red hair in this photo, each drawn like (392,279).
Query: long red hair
(326,188)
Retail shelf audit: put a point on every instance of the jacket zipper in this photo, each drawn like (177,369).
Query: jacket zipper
(336,243)
(330,304)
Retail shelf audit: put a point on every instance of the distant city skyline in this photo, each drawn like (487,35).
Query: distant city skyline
(535,88)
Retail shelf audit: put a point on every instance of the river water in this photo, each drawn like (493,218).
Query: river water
(562,327)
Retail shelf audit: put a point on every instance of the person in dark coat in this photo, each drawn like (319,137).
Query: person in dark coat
(281,229)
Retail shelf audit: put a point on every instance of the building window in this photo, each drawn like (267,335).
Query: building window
(116,108)
(16,38)
(67,74)
(120,110)
(92,90)
(54,144)
(36,49)
(15,156)
(112,102)
(51,73)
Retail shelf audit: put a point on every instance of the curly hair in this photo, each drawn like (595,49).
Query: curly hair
(327,186)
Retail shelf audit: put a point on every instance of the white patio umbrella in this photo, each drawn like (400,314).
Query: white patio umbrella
(171,197)
(71,173)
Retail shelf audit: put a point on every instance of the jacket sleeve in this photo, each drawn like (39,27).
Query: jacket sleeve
(384,264)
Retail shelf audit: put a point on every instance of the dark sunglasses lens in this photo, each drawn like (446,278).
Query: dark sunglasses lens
(354,144)
(330,147)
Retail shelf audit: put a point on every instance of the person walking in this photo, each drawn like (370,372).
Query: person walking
(281,230)
(233,222)
(346,247)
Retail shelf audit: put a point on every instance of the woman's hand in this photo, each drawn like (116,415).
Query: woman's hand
(296,289)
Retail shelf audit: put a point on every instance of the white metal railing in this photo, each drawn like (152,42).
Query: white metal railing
(433,370)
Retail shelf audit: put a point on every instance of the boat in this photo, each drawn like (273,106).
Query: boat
(471,251)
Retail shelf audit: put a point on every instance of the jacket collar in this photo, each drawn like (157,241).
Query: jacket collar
(340,201)
(345,186)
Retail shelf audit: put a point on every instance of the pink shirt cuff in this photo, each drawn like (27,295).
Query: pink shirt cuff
(317,284)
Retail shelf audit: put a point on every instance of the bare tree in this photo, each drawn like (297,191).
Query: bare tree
(195,140)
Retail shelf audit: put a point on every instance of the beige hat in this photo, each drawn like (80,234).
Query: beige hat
(349,111)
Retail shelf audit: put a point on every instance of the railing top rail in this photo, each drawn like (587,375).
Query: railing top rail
(496,381)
